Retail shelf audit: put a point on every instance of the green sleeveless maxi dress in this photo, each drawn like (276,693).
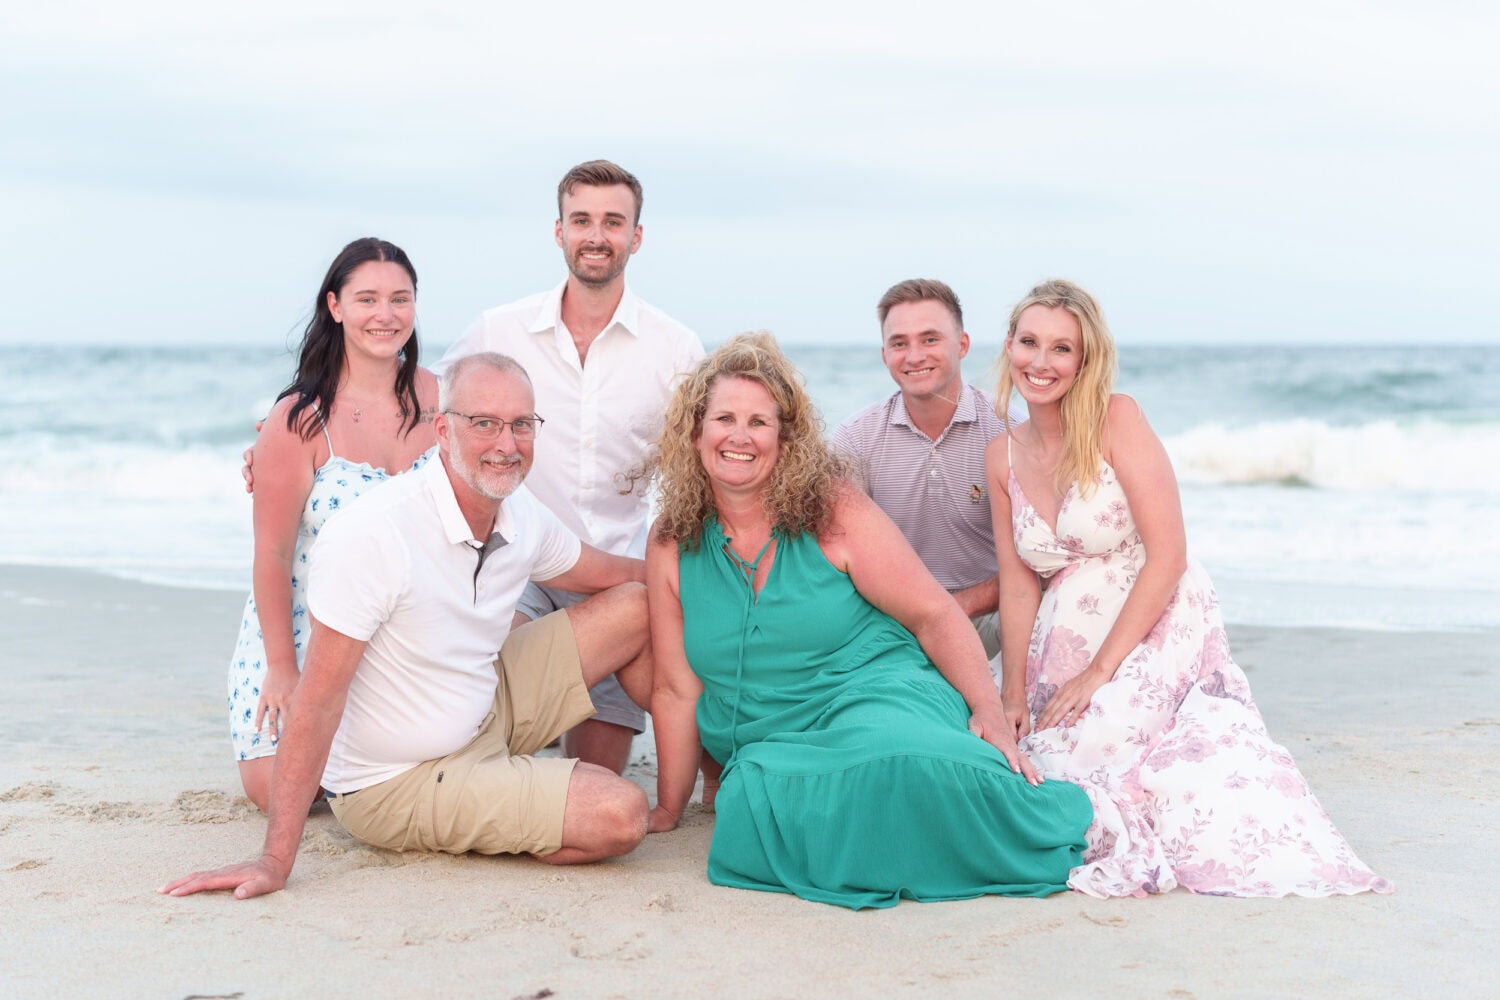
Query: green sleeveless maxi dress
(850,774)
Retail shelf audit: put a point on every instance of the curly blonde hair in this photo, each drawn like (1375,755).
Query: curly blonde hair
(1087,401)
(800,494)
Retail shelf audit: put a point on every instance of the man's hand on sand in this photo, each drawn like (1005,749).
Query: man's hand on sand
(254,878)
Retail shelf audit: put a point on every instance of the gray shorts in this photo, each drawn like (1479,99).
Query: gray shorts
(988,627)
(611,703)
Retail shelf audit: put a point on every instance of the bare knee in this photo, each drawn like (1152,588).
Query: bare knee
(632,593)
(255,776)
(606,815)
(625,821)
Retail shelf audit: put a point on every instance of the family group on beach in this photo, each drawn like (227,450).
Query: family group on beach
(959,649)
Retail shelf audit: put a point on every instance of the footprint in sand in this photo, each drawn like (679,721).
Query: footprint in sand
(32,791)
(628,950)
(104,812)
(987,945)
(664,903)
(330,844)
(209,806)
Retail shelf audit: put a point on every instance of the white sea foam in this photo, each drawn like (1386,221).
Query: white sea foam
(1419,455)
(176,516)
(132,471)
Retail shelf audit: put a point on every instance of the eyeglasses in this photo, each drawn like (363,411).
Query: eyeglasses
(489,428)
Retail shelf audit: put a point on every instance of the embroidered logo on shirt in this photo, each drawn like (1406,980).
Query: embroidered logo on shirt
(976,493)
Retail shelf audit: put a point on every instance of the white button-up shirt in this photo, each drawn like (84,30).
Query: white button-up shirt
(602,414)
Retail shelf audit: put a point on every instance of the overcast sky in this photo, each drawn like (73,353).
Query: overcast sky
(1288,172)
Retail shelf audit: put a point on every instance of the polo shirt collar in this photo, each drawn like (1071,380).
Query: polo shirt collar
(965,413)
(627,314)
(455,525)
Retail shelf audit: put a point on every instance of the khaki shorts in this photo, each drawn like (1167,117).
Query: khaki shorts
(490,796)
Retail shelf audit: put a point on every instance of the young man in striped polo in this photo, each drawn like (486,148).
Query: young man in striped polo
(919,453)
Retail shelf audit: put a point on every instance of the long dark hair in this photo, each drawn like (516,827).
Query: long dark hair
(321,357)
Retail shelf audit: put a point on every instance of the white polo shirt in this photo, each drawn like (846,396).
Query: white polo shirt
(602,415)
(401,571)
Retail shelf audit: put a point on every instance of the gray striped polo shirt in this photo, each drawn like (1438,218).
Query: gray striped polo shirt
(935,491)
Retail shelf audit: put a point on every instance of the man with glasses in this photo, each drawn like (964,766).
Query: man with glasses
(422,737)
(603,363)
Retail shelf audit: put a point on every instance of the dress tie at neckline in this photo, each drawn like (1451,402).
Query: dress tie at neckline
(749,570)
(750,567)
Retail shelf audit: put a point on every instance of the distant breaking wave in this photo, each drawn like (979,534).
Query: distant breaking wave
(1422,456)
(1427,456)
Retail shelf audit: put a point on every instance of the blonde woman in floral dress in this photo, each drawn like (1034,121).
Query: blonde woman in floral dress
(1126,685)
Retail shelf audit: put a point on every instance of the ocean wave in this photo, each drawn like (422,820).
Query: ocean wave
(1304,555)
(133,472)
(1422,456)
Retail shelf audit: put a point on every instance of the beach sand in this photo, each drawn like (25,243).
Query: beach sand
(115,777)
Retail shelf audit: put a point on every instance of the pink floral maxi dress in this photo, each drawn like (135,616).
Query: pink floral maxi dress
(1188,787)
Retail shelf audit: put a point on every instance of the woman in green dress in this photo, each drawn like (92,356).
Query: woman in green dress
(865,752)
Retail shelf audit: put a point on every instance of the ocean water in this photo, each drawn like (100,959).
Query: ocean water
(1352,486)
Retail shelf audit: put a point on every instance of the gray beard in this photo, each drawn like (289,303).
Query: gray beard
(470,474)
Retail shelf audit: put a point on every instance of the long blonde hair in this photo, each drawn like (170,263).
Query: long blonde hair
(1087,401)
(800,494)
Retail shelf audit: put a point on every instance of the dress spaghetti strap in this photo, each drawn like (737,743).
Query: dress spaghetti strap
(323,422)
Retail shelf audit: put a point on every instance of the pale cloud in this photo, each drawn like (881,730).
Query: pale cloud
(1210,169)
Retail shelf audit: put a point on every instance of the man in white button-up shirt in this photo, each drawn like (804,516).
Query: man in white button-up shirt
(602,363)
